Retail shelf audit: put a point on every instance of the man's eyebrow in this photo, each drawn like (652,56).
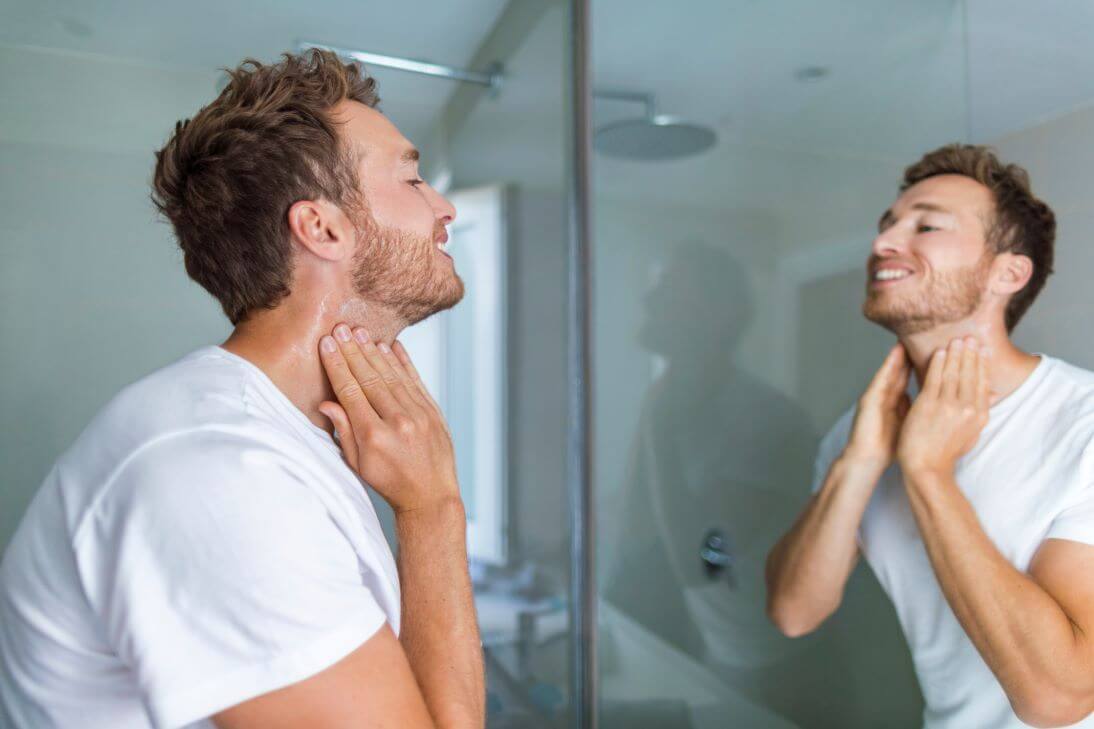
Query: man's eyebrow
(411,155)
(887,217)
(932,207)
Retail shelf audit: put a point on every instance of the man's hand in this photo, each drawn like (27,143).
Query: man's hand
(394,436)
(881,412)
(948,415)
(391,430)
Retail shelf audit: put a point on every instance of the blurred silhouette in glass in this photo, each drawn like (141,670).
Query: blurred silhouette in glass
(721,461)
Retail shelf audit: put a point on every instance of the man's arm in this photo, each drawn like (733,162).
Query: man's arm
(808,568)
(393,434)
(1033,631)
(439,631)
(372,687)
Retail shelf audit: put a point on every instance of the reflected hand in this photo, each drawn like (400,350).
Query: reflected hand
(881,412)
(948,415)
(391,430)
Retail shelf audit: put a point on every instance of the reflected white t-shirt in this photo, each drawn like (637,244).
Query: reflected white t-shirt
(1029,478)
(201,543)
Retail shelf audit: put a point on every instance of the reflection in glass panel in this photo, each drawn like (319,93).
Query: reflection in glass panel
(727,325)
(700,259)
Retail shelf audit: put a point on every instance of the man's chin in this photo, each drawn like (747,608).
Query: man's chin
(900,323)
(444,299)
(454,294)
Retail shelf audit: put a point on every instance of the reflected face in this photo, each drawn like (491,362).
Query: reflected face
(400,260)
(677,316)
(929,264)
(699,304)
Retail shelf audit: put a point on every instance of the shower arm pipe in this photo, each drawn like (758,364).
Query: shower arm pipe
(637,97)
(491,77)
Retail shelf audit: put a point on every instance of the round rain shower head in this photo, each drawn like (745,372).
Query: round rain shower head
(656,137)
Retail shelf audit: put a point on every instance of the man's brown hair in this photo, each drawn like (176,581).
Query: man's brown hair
(1021,223)
(227,178)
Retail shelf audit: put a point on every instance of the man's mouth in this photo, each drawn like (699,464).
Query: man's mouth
(442,244)
(885,275)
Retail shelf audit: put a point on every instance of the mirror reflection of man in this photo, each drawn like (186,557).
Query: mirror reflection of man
(970,491)
(716,451)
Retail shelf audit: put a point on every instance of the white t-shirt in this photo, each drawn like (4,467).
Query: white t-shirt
(1029,478)
(200,544)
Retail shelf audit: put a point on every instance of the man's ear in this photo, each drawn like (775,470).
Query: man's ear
(322,228)
(1012,273)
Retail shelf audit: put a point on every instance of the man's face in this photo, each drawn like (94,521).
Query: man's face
(400,261)
(929,264)
(698,305)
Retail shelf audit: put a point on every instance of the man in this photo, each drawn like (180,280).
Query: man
(974,501)
(205,553)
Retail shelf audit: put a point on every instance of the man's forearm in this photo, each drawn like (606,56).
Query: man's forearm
(809,566)
(1022,633)
(439,629)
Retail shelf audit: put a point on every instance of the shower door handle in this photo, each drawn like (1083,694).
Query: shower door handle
(716,554)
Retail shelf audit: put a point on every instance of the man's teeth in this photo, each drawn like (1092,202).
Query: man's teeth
(443,247)
(890,274)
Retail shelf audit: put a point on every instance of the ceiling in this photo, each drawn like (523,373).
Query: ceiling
(898,70)
(209,34)
(903,75)
(1028,62)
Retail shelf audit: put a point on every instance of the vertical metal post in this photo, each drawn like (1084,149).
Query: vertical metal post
(583,596)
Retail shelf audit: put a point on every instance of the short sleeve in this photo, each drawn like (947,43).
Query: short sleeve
(218,575)
(1075,523)
(833,443)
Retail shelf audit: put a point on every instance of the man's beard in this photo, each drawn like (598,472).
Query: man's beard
(398,270)
(947,297)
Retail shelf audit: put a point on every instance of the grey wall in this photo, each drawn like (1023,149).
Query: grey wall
(1059,155)
(92,290)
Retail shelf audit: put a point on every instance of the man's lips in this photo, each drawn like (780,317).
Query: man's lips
(441,241)
(887,274)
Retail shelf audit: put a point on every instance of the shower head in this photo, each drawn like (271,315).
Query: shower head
(655,138)
(651,137)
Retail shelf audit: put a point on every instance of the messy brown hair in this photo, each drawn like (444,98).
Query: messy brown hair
(1021,223)
(227,177)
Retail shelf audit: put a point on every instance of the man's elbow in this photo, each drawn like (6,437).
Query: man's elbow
(1051,707)
(792,621)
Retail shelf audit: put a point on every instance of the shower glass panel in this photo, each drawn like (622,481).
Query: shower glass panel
(727,339)
(727,334)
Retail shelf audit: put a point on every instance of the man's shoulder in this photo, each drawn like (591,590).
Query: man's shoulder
(1080,379)
(202,385)
(206,389)
(195,418)
(180,479)
(1064,403)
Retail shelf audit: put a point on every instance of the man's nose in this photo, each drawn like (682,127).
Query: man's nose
(444,210)
(889,242)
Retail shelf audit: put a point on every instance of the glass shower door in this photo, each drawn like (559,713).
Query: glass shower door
(743,153)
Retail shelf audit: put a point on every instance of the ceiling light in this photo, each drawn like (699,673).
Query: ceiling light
(810,74)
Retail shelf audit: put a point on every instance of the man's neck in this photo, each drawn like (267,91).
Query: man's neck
(1008,368)
(284,344)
